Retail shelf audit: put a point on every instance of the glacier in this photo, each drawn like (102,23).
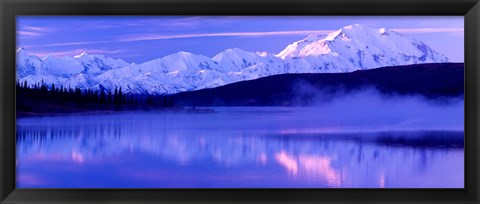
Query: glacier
(351,48)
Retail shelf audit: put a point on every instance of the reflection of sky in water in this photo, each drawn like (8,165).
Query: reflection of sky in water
(279,148)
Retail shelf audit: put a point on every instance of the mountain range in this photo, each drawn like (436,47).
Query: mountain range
(351,48)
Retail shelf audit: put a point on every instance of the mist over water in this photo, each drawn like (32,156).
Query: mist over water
(367,109)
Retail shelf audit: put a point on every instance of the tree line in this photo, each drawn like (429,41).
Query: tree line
(59,97)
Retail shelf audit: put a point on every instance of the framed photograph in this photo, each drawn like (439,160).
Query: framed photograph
(239,101)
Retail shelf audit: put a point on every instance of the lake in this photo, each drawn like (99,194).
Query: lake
(243,147)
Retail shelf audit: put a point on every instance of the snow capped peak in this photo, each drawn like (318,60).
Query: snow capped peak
(21,52)
(355,31)
(235,50)
(362,31)
(262,54)
(291,49)
(312,45)
(46,57)
(183,53)
(356,26)
(233,53)
(311,38)
(331,36)
(180,56)
(61,70)
(81,55)
(382,30)
(235,59)
(21,49)
(361,47)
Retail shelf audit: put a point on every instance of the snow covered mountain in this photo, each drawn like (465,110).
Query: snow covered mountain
(80,70)
(359,47)
(354,47)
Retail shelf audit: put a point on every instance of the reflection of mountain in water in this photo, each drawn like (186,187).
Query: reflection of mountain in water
(335,159)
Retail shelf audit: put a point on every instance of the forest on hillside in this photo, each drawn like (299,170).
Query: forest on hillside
(43,98)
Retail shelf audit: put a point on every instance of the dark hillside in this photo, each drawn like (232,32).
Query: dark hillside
(434,81)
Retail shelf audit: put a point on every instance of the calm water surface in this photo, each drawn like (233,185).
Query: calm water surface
(239,147)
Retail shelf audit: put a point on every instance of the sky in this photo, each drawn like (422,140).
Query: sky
(138,39)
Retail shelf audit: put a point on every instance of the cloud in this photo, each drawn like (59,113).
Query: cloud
(223,34)
(153,36)
(429,30)
(38,29)
(94,25)
(75,52)
(23,33)
(70,44)
(33,31)
(188,22)
(273,33)
(146,37)
(277,33)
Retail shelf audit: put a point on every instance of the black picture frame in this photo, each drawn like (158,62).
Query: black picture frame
(470,9)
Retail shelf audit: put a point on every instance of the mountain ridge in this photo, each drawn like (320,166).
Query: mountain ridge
(351,48)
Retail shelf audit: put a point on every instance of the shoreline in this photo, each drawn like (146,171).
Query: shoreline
(97,112)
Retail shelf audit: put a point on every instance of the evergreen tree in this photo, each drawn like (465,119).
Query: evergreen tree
(96,97)
(43,88)
(165,102)
(84,98)
(52,92)
(149,100)
(120,96)
(110,99)
(170,104)
(103,97)
(115,96)
(78,93)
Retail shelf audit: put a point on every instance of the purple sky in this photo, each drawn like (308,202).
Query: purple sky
(142,38)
